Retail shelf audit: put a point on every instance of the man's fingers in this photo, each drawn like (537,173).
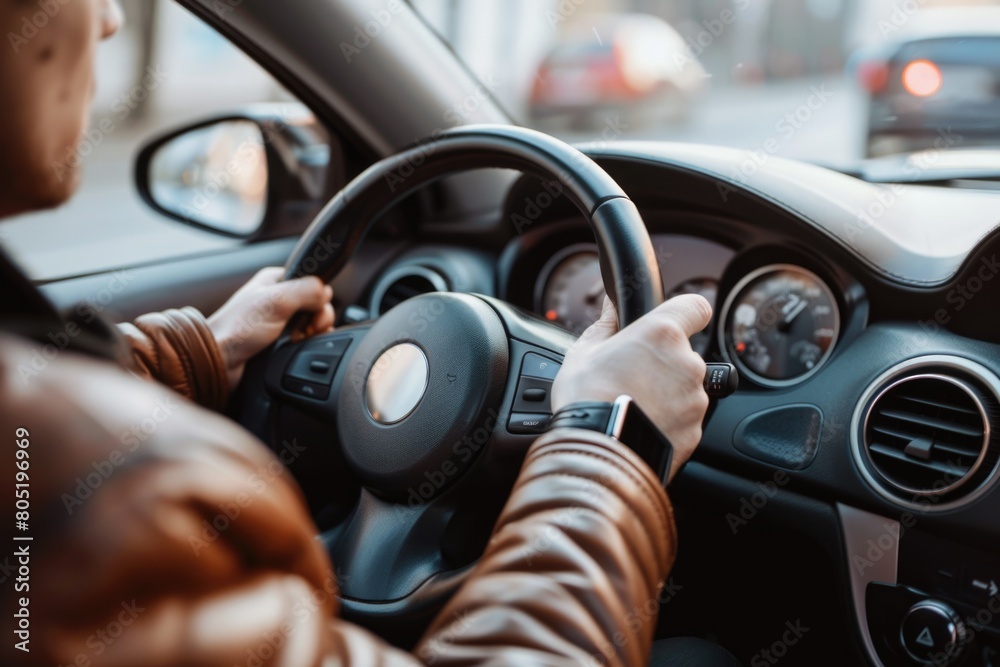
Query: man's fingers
(322,321)
(303,294)
(270,275)
(691,312)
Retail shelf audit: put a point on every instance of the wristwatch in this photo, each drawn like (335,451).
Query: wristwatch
(624,421)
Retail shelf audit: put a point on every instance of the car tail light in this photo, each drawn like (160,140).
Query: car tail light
(873,76)
(540,87)
(922,78)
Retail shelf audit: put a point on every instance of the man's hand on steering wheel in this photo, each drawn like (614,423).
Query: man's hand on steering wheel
(258,312)
(651,361)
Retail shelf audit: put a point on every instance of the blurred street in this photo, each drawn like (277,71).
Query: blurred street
(769,70)
(107,218)
(746,117)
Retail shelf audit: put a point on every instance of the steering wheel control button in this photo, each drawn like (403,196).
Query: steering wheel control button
(331,346)
(932,633)
(313,367)
(320,366)
(318,359)
(319,392)
(537,366)
(528,424)
(533,395)
(396,383)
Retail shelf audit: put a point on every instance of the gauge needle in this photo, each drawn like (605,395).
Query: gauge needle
(596,292)
(790,317)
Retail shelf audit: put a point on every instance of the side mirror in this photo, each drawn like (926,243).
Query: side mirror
(236,174)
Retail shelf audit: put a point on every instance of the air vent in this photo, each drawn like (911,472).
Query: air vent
(929,436)
(404,283)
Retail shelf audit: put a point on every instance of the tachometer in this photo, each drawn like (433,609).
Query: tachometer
(779,325)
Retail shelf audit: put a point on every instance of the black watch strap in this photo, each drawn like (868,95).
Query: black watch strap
(588,416)
(626,422)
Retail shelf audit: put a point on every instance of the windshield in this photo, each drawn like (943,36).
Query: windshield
(828,81)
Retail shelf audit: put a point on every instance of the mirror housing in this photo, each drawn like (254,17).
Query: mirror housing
(259,173)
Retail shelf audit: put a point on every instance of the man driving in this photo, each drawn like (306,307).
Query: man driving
(115,580)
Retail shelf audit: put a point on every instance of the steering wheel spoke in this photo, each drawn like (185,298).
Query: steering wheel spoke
(309,374)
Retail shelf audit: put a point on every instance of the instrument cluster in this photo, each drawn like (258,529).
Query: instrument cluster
(778,323)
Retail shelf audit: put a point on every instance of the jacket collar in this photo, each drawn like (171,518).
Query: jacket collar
(26,312)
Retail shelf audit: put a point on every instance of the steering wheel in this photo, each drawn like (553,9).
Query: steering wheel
(431,402)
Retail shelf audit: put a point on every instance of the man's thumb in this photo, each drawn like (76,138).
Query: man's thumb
(604,328)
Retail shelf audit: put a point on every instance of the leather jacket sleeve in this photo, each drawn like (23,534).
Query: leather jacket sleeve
(573,572)
(177,349)
(185,543)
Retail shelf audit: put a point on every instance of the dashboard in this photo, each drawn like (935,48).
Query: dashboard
(869,368)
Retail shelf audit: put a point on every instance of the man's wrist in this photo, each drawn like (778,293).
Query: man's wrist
(624,421)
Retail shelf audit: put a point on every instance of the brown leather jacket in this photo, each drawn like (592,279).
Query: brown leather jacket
(126,474)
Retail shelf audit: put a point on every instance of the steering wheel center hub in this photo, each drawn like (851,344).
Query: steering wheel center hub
(419,400)
(396,383)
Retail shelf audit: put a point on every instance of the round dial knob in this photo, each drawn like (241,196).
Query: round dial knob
(933,634)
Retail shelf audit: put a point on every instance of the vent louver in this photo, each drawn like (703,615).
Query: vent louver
(930,436)
(406,283)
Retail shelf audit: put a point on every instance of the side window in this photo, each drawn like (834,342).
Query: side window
(166,68)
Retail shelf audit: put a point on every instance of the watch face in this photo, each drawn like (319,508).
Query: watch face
(633,428)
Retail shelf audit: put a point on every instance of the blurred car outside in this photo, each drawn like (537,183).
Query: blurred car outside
(622,63)
(934,83)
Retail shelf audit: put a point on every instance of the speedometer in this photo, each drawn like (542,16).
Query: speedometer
(779,325)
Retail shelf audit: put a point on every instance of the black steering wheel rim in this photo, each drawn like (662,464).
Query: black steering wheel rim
(629,266)
(632,278)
